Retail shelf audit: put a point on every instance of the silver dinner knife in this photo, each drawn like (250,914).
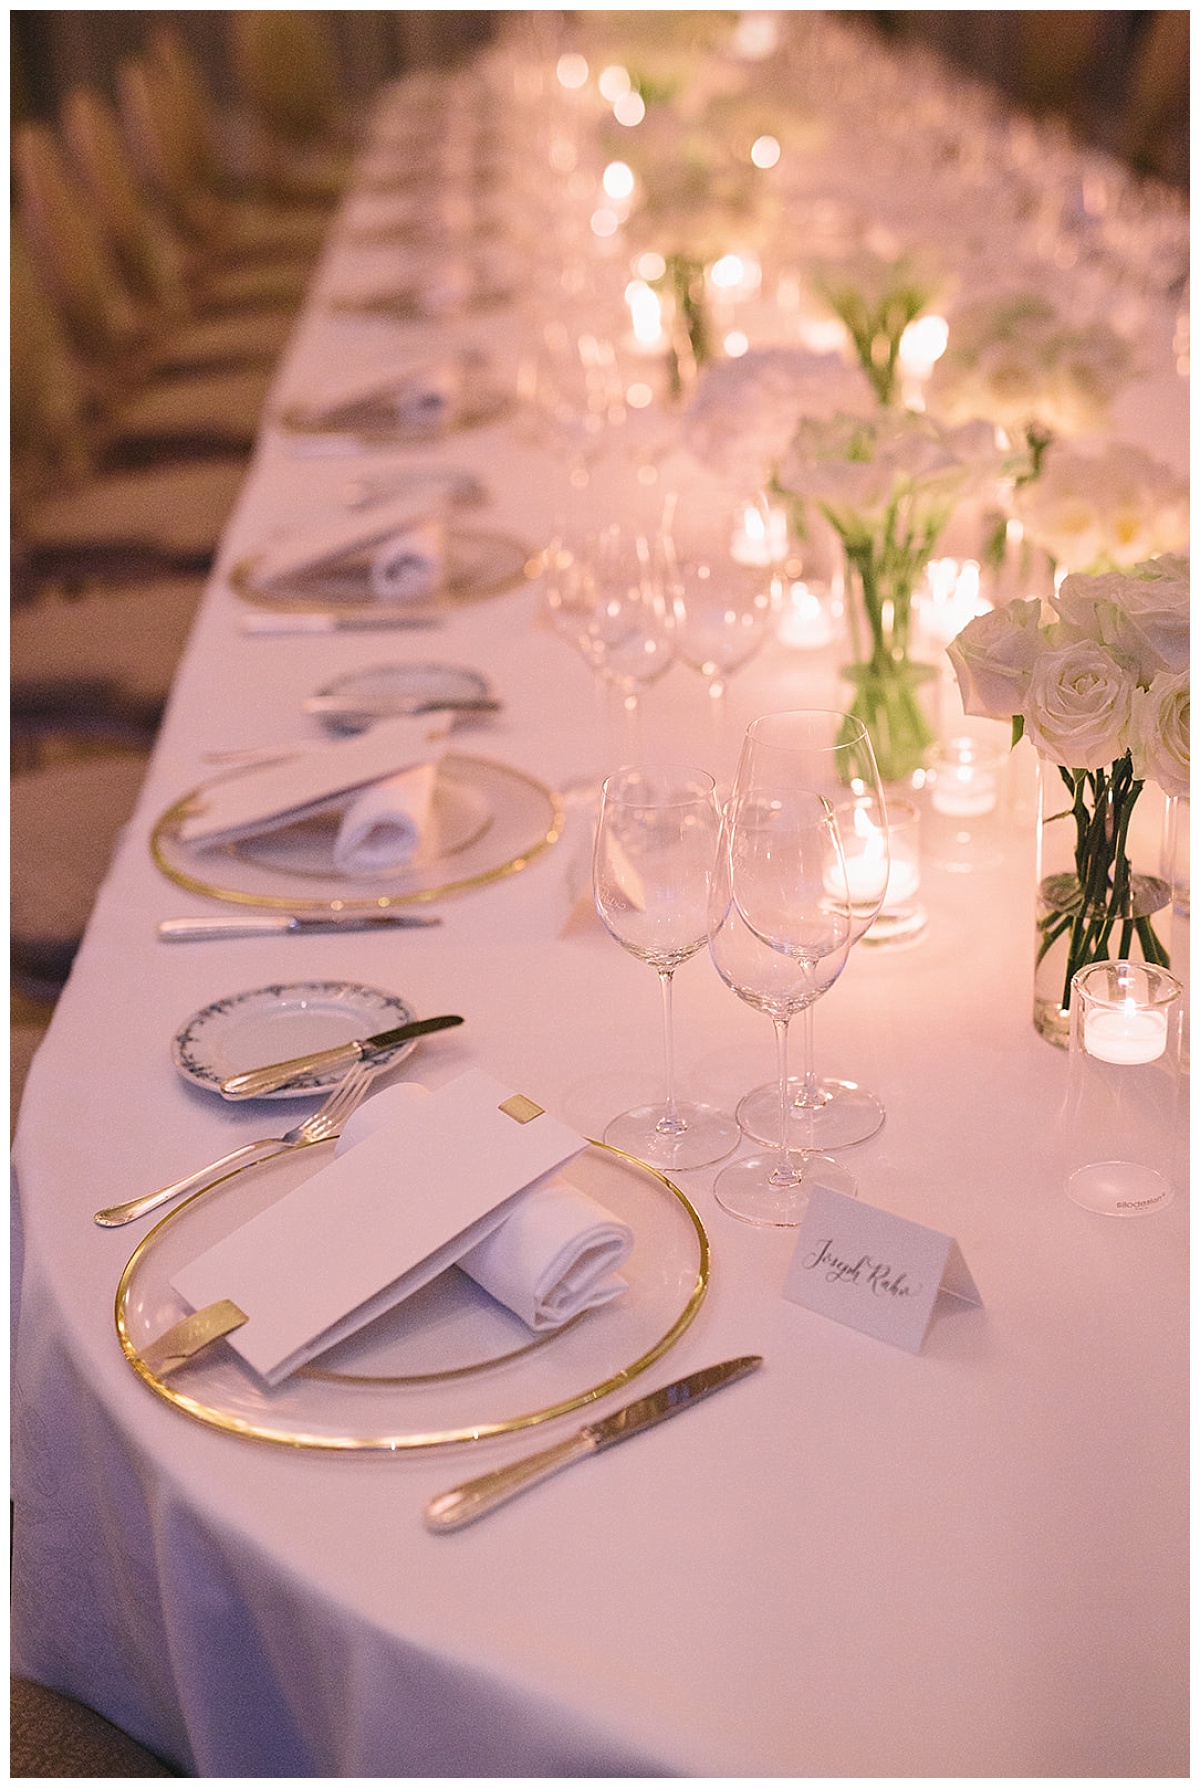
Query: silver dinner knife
(190,931)
(455,1508)
(341,705)
(308,622)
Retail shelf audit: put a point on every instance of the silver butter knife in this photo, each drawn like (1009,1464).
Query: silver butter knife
(381,710)
(256,1081)
(190,931)
(455,1508)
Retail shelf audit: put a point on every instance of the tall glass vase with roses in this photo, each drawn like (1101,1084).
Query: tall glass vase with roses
(1103,693)
(888,484)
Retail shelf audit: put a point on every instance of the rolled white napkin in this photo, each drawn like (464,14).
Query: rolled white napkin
(408,566)
(384,825)
(555,1254)
(361,534)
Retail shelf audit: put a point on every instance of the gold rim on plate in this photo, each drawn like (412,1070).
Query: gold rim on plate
(246,882)
(593,1336)
(488,564)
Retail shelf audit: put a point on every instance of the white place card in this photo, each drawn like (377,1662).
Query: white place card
(378,1223)
(874,1271)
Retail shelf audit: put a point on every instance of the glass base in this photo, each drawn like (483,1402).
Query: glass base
(896,930)
(847,1114)
(704,1135)
(744,1188)
(1119,1189)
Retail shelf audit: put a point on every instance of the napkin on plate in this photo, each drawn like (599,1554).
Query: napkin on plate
(555,1254)
(405,1202)
(383,827)
(321,779)
(402,541)
(421,396)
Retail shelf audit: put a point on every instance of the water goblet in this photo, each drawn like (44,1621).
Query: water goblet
(830,754)
(779,934)
(655,847)
(631,629)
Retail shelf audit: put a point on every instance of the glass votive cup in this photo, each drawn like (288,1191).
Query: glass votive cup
(963,788)
(902,919)
(1123,1088)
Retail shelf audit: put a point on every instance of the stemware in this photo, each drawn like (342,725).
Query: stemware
(655,846)
(630,631)
(830,754)
(780,927)
(717,559)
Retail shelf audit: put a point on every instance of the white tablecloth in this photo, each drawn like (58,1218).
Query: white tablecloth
(859,1562)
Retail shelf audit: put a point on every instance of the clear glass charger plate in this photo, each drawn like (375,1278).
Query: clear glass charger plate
(487,820)
(478,563)
(448,1365)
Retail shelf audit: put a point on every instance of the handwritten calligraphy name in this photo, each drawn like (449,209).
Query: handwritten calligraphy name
(876,1276)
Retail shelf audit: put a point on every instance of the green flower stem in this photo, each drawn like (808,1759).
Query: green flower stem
(1102,806)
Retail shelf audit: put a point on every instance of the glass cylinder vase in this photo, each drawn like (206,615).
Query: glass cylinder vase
(891,687)
(1094,902)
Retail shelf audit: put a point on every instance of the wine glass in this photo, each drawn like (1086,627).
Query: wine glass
(655,847)
(779,934)
(718,565)
(630,636)
(831,754)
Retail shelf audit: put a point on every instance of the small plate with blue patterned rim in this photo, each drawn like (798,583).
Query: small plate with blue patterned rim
(273,1024)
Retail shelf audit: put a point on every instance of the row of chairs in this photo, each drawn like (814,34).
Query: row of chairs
(152,292)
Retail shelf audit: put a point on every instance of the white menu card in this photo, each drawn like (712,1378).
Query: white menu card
(378,1223)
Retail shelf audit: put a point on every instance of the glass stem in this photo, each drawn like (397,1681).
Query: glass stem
(810,1098)
(785,1173)
(670,1123)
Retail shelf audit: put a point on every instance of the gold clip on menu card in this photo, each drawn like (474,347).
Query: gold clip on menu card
(382,1220)
(874,1271)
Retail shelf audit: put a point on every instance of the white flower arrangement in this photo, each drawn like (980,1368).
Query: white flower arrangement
(1016,361)
(1103,693)
(743,414)
(1104,509)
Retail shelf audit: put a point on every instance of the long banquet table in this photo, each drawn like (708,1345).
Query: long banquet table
(861,1561)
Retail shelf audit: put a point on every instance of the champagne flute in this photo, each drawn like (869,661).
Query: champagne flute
(779,934)
(655,847)
(831,754)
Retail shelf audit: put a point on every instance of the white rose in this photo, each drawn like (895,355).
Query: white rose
(1078,705)
(1145,613)
(993,659)
(1160,732)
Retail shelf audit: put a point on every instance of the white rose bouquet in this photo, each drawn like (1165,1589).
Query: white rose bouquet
(743,413)
(888,484)
(1103,693)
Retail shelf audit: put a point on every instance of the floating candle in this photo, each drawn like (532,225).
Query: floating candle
(1128,1035)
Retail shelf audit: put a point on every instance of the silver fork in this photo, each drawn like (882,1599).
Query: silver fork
(320,1126)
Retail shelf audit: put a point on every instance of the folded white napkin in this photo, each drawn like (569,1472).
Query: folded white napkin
(361,1235)
(384,825)
(365,533)
(556,1252)
(412,396)
(318,779)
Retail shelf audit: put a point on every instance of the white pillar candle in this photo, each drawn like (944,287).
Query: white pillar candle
(805,620)
(1126,1035)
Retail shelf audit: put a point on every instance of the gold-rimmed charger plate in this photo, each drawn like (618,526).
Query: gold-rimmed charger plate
(487,820)
(477,563)
(450,1364)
